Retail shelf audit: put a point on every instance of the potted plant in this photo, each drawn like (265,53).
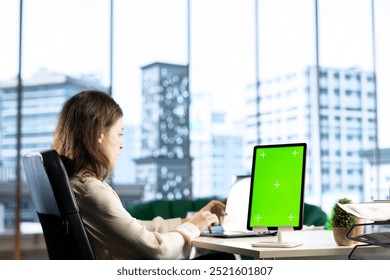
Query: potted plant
(341,222)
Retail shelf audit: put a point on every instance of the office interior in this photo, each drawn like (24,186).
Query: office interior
(226,76)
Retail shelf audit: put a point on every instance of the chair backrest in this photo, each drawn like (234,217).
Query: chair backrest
(58,213)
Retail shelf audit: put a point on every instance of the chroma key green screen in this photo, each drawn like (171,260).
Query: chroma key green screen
(277,186)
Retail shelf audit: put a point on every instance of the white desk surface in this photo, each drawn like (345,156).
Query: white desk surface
(316,244)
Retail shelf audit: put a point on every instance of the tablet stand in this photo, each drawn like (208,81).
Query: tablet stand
(260,229)
(279,243)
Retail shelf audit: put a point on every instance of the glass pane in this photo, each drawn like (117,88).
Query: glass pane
(66,37)
(151,33)
(9,30)
(61,54)
(66,48)
(382,44)
(348,89)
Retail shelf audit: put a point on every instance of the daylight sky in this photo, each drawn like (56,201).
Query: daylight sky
(71,37)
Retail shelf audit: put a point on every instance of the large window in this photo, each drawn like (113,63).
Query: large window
(259,80)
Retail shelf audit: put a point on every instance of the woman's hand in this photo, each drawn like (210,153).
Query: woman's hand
(208,215)
(216,207)
(204,219)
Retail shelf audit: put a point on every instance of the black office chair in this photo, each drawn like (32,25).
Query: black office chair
(52,195)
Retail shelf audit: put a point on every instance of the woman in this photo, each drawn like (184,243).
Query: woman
(88,138)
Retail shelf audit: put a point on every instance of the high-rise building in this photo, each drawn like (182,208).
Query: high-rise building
(338,124)
(42,99)
(227,159)
(124,170)
(377,173)
(164,166)
(216,146)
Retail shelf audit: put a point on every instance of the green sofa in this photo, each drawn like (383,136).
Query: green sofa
(313,215)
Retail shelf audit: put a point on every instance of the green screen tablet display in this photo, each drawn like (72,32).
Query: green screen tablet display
(277,186)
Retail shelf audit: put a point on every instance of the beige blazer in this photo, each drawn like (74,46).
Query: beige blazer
(115,234)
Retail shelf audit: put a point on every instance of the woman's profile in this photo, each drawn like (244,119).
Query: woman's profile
(88,137)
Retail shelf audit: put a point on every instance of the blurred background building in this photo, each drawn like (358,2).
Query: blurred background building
(336,119)
(164,167)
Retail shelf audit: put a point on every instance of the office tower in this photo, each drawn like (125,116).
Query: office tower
(164,166)
(377,174)
(201,145)
(338,124)
(216,147)
(42,100)
(124,170)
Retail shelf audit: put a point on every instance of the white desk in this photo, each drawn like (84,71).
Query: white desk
(316,244)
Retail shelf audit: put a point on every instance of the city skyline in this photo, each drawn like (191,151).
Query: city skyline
(222,42)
